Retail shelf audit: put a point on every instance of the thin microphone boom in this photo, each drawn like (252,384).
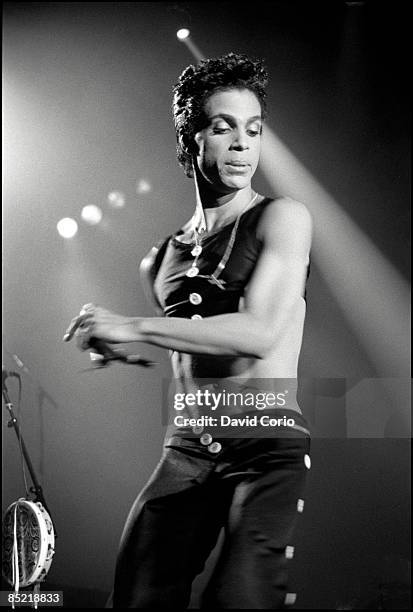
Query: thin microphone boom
(105,354)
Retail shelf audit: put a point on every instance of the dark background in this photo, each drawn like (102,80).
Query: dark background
(87,95)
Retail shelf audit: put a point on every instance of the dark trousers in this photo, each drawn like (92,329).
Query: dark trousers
(253,488)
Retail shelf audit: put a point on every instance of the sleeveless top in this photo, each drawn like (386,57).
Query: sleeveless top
(183,296)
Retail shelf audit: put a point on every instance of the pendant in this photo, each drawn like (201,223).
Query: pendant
(193,271)
(197,250)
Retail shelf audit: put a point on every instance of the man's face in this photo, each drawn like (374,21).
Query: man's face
(229,145)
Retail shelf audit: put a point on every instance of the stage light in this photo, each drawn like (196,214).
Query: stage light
(116,199)
(67,227)
(91,214)
(182,34)
(143,186)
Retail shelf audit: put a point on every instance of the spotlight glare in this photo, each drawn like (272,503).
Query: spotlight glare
(67,227)
(182,33)
(143,186)
(91,214)
(116,199)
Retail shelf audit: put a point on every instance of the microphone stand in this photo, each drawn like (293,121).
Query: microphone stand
(36,489)
(42,397)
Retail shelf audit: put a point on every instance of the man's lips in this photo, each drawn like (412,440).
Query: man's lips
(237,167)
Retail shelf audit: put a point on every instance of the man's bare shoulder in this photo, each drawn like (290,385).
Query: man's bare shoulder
(150,263)
(148,270)
(285,218)
(147,263)
(288,209)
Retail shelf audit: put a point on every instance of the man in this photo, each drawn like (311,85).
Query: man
(231,287)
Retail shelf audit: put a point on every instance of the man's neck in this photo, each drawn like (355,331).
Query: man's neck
(214,210)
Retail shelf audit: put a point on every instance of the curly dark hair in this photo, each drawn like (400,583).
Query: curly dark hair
(197,83)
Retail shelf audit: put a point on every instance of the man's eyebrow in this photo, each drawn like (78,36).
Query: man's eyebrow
(226,116)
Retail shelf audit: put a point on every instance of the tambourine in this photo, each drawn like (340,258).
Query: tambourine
(28,526)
